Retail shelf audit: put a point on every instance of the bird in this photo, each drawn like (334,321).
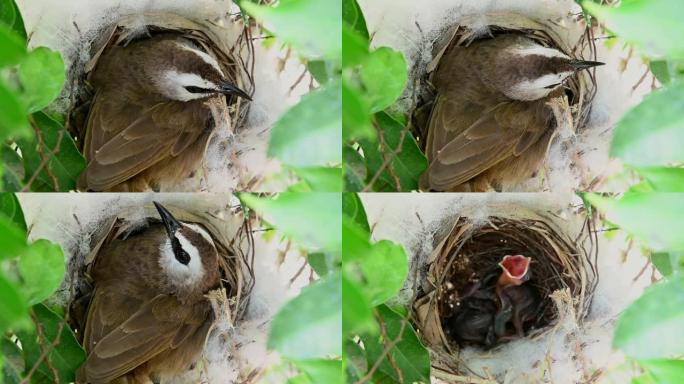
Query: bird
(472,316)
(518,302)
(490,123)
(148,316)
(157,102)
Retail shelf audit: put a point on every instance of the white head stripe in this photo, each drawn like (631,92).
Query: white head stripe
(200,230)
(179,273)
(205,57)
(540,50)
(173,85)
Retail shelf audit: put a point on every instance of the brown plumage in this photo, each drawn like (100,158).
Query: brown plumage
(143,321)
(138,136)
(489,123)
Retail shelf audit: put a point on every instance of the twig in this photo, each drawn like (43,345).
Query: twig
(388,348)
(45,350)
(45,158)
(388,159)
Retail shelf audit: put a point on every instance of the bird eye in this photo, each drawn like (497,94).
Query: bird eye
(552,86)
(182,257)
(179,253)
(194,89)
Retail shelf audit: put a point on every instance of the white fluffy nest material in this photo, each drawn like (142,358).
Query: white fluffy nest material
(571,111)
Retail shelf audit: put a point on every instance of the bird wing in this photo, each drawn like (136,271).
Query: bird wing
(124,140)
(157,325)
(466,138)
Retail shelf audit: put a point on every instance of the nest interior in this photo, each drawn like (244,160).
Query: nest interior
(579,91)
(236,262)
(471,251)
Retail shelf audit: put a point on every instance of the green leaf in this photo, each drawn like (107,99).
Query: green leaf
(13,169)
(323,263)
(353,17)
(664,371)
(42,77)
(13,361)
(42,270)
(662,262)
(650,328)
(664,179)
(320,71)
(661,70)
(650,25)
(354,50)
(11,46)
(354,167)
(381,271)
(353,209)
(384,75)
(65,164)
(354,358)
(309,133)
(407,161)
(13,121)
(13,309)
(321,370)
(10,207)
(312,26)
(651,133)
(356,119)
(310,325)
(357,317)
(66,356)
(411,357)
(312,219)
(12,238)
(10,16)
(654,218)
(321,179)
(8,12)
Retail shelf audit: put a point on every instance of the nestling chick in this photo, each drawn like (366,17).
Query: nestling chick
(518,302)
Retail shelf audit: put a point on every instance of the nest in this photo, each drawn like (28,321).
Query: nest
(234,243)
(571,111)
(563,271)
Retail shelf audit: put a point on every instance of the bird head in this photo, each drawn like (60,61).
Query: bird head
(188,255)
(193,74)
(515,270)
(532,71)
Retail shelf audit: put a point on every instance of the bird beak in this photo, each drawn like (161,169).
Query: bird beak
(170,222)
(515,269)
(579,65)
(230,89)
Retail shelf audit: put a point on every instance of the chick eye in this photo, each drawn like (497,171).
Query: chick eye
(194,89)
(552,86)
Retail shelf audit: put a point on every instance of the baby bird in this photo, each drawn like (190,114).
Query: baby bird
(518,302)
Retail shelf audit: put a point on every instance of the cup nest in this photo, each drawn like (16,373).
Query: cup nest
(571,111)
(234,242)
(563,271)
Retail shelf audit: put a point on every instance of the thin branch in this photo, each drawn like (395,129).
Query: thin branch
(388,160)
(42,339)
(389,345)
(45,158)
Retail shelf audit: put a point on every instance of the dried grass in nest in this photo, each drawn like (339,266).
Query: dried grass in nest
(234,243)
(571,111)
(235,56)
(563,270)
